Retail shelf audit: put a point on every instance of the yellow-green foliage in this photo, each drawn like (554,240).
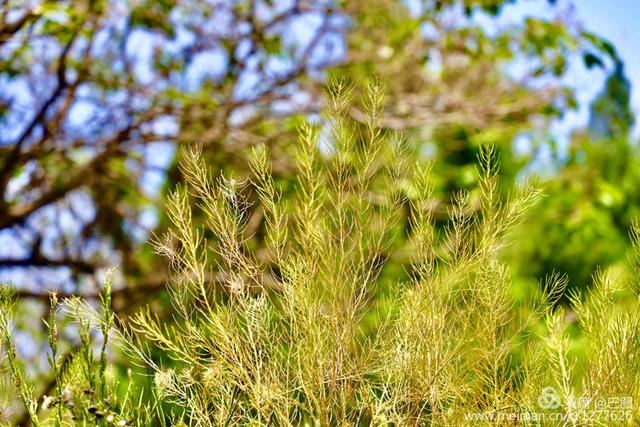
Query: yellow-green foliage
(310,329)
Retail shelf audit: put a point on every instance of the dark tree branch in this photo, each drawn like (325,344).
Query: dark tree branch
(11,161)
(8,30)
(41,261)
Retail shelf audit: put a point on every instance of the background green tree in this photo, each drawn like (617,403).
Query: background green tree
(592,199)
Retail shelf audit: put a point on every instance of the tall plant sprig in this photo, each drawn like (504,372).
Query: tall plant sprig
(106,324)
(459,296)
(22,387)
(287,343)
(54,362)
(325,272)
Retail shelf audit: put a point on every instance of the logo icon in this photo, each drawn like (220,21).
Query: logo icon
(549,398)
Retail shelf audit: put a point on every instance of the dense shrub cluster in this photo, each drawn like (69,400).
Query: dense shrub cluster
(357,310)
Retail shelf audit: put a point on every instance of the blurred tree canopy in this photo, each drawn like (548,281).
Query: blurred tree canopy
(592,199)
(95,96)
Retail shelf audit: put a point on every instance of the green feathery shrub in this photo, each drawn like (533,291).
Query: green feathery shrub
(351,307)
